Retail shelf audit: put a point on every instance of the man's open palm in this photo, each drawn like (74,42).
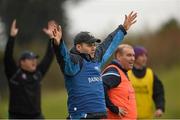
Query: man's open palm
(129,20)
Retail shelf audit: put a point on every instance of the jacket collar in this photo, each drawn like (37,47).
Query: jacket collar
(118,64)
(83,55)
(139,72)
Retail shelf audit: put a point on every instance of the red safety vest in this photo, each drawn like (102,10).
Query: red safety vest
(122,96)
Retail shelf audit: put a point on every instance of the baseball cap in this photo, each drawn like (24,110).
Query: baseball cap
(139,50)
(28,55)
(85,37)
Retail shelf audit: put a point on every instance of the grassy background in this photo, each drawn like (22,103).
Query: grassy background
(54,102)
(53,105)
(171,80)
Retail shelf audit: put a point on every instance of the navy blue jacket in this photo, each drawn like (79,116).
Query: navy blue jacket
(83,76)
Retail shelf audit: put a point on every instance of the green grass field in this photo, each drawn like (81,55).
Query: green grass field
(53,105)
(171,80)
(54,102)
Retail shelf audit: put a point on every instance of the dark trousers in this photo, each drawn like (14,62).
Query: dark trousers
(98,115)
(25,116)
(95,116)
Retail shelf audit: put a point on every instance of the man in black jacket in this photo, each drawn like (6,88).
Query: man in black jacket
(25,78)
(148,87)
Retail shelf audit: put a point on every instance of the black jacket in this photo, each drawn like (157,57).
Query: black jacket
(24,86)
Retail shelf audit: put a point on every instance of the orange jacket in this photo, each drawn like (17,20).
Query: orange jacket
(123,96)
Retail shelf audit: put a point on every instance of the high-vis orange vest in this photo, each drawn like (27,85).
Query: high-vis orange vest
(144,90)
(122,96)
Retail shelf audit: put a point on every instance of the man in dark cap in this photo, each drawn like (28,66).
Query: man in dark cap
(24,79)
(81,69)
(148,87)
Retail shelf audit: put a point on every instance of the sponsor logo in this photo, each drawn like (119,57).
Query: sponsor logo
(94,79)
(141,89)
(24,76)
(75,108)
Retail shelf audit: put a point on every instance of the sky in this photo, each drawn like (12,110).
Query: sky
(97,16)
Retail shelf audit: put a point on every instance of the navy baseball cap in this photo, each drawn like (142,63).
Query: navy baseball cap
(28,55)
(85,37)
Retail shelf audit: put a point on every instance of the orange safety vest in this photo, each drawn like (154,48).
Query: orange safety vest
(122,96)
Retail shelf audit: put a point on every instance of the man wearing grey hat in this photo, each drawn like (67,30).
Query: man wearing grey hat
(24,79)
(81,69)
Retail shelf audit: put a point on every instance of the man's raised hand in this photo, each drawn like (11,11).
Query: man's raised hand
(50,27)
(57,34)
(129,20)
(54,31)
(14,30)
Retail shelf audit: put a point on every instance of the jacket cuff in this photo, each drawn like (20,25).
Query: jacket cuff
(11,37)
(55,47)
(162,108)
(114,109)
(122,29)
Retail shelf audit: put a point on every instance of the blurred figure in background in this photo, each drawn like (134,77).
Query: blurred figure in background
(119,92)
(148,87)
(24,79)
(82,69)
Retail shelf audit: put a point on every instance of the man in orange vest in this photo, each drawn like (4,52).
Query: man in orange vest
(148,88)
(119,93)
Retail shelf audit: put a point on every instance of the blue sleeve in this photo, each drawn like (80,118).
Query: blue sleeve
(112,47)
(109,45)
(67,64)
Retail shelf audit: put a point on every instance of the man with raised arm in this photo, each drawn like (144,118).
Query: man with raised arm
(24,78)
(81,69)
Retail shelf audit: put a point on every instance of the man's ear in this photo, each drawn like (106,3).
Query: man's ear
(21,62)
(119,56)
(78,47)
